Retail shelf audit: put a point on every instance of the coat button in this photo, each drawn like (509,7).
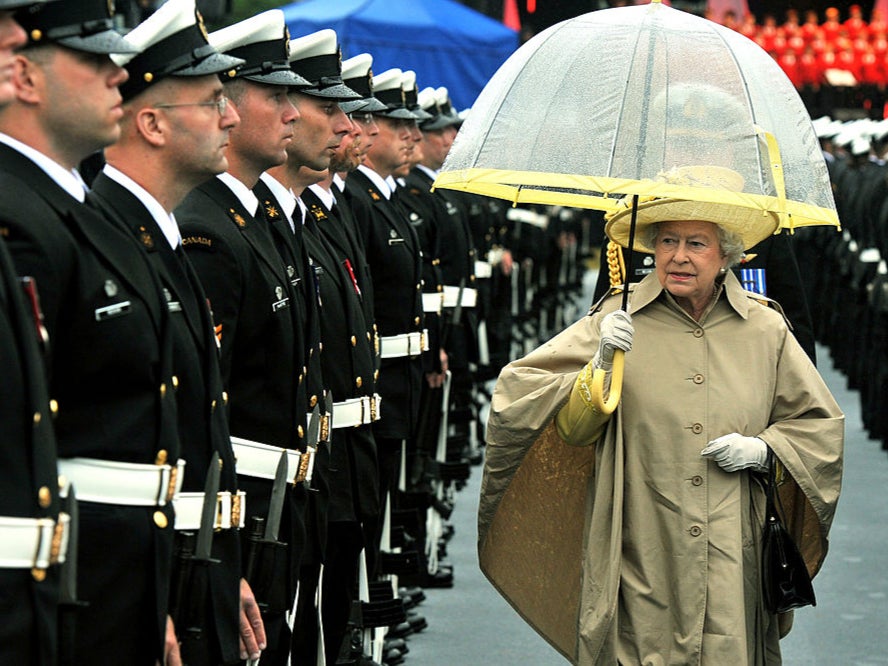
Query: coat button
(224,397)
(37,418)
(300,431)
(163,389)
(697,428)
(698,379)
(354,341)
(376,374)
(53,407)
(416,321)
(161,457)
(160,519)
(698,332)
(358,382)
(175,381)
(697,480)
(44,497)
(38,574)
(313,401)
(696,530)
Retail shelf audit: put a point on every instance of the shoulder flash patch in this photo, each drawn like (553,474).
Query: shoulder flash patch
(197,241)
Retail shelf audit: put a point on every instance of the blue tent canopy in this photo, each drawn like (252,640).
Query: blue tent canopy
(444,42)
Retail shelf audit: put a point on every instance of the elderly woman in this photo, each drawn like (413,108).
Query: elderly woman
(634,537)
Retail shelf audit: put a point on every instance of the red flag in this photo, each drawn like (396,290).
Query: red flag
(511,17)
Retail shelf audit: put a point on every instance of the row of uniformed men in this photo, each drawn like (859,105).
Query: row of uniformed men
(245,322)
(849,290)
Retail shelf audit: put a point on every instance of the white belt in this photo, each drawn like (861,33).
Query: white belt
(432,302)
(230,510)
(356,411)
(405,344)
(483,269)
(115,482)
(29,543)
(261,460)
(469,297)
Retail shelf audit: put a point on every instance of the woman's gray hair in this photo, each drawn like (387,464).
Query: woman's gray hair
(730,243)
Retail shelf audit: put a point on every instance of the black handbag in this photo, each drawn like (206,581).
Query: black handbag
(785,580)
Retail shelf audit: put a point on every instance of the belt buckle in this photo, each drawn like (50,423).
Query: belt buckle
(303,467)
(422,342)
(325,428)
(235,509)
(171,484)
(372,400)
(55,547)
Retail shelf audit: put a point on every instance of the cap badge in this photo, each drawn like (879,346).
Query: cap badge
(198,17)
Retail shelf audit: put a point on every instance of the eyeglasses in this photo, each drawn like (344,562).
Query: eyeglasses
(221,105)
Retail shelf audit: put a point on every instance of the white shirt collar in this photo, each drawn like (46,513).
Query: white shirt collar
(241,191)
(70,181)
(339,181)
(303,209)
(431,172)
(377,180)
(166,221)
(284,195)
(326,196)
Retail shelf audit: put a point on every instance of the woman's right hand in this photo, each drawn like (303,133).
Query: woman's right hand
(616,333)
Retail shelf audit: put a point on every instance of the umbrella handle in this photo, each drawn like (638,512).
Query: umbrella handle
(616,388)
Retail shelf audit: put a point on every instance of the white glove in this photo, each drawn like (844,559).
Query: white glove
(616,333)
(735,452)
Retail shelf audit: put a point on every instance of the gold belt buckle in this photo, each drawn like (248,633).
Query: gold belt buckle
(235,509)
(325,428)
(171,486)
(372,408)
(303,467)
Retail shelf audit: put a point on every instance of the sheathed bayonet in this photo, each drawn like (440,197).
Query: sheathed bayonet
(68,569)
(306,465)
(208,512)
(278,493)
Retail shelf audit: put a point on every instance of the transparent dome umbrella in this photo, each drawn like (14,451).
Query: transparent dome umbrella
(594,108)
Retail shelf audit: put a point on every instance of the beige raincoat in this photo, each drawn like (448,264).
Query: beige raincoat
(635,549)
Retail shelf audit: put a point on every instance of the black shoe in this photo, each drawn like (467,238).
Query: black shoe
(400,630)
(440,579)
(417,622)
(392,657)
(398,644)
(414,593)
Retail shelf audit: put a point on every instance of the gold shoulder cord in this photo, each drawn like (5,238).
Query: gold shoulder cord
(616,267)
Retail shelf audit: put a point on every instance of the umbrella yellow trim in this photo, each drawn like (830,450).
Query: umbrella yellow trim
(604,192)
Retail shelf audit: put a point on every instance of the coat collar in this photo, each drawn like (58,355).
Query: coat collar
(649,289)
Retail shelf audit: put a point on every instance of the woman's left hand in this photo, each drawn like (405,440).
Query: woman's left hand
(734,452)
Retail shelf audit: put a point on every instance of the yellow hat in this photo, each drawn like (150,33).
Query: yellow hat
(750,225)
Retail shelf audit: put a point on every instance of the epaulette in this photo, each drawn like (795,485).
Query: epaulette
(769,303)
(615,290)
